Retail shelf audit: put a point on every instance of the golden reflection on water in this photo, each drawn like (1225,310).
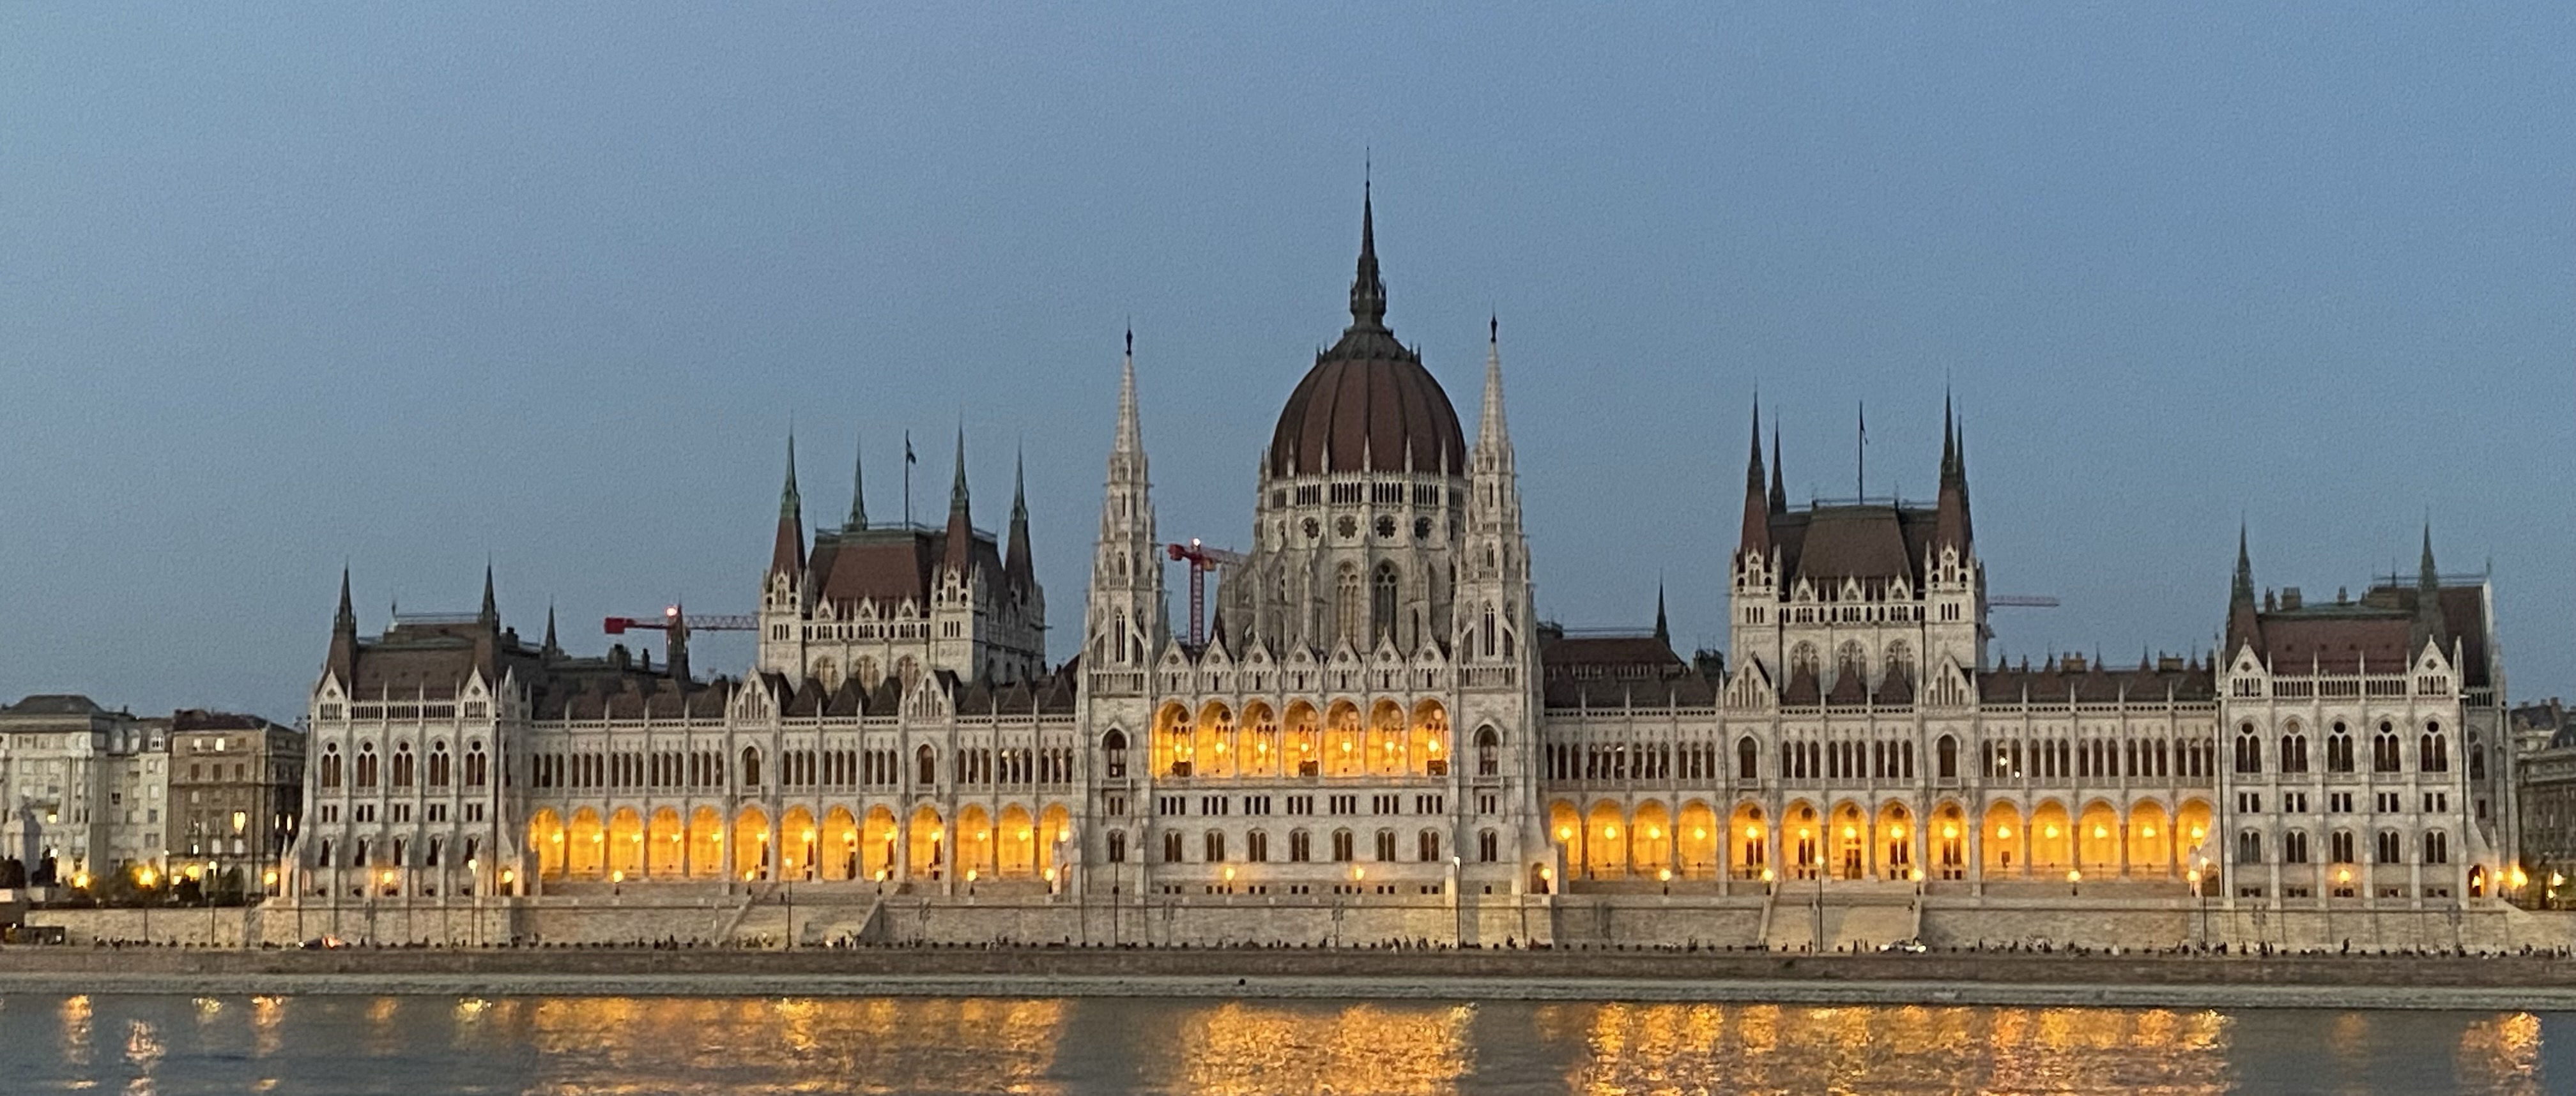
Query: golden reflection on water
(1259,1047)
(1666,1048)
(2501,1054)
(635,1045)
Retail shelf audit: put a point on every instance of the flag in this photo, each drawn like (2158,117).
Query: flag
(908,458)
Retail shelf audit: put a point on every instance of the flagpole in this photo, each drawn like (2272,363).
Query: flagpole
(1860,476)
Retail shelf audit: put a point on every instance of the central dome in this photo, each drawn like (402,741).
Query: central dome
(1367,405)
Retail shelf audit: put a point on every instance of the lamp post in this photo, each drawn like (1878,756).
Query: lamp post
(143,881)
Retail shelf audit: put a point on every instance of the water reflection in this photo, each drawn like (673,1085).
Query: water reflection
(176,1045)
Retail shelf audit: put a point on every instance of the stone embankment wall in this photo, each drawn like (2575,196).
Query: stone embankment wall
(1037,966)
(769,918)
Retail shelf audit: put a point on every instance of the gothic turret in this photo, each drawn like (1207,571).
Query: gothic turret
(1755,541)
(1951,528)
(2430,627)
(1126,622)
(961,526)
(343,659)
(2244,617)
(1017,565)
(787,554)
(858,492)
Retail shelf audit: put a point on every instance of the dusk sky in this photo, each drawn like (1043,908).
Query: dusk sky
(414,287)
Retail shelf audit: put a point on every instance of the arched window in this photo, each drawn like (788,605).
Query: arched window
(2477,759)
(2249,750)
(2384,749)
(1488,846)
(331,765)
(2339,750)
(1341,846)
(925,764)
(1803,657)
(1300,847)
(2249,847)
(1850,661)
(1948,757)
(2294,750)
(1346,605)
(1488,752)
(2391,847)
(440,769)
(1382,603)
(1900,660)
(1215,846)
(1256,847)
(366,764)
(907,670)
(1489,631)
(1113,749)
(2437,847)
(478,766)
(2342,847)
(1386,846)
(2294,847)
(1117,846)
(751,766)
(1427,846)
(402,765)
(2432,750)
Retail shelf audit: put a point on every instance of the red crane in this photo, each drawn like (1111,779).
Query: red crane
(673,623)
(1201,559)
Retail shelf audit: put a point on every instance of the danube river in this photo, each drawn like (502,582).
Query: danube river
(417,1046)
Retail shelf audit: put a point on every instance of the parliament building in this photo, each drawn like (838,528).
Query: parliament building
(1377,738)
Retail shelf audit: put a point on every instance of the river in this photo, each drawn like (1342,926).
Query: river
(432,1046)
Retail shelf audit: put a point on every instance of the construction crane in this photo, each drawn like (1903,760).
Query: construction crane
(1201,560)
(672,623)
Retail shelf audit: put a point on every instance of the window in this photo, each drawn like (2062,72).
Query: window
(1113,749)
(1346,605)
(1488,845)
(2249,847)
(1426,846)
(330,777)
(1300,847)
(2342,847)
(2389,847)
(925,763)
(1256,847)
(1215,846)
(1171,847)
(2437,847)
(2249,750)
(1341,846)
(1748,758)
(1117,846)
(1386,846)
(2294,847)
(366,764)
(1382,597)
(1488,753)
(2432,751)
(440,769)
(2383,750)
(2339,750)
(2294,751)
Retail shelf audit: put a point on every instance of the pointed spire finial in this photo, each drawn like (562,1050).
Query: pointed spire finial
(1663,631)
(859,488)
(1020,484)
(2426,576)
(1368,292)
(1779,494)
(790,505)
(957,486)
(551,646)
(2244,588)
(491,614)
(1753,465)
(347,618)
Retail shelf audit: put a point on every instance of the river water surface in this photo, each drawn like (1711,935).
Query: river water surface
(428,1046)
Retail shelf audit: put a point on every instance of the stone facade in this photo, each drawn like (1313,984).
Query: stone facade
(1376,737)
(236,793)
(84,788)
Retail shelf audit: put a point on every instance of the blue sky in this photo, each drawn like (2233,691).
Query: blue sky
(412,287)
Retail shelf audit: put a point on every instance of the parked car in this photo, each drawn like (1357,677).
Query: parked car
(1907,946)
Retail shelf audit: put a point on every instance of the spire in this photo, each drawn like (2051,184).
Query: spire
(1017,565)
(2430,626)
(1663,631)
(342,659)
(1368,293)
(2244,620)
(1779,495)
(490,617)
(1491,428)
(347,618)
(1755,539)
(1131,436)
(551,647)
(787,552)
(859,489)
(1951,527)
(961,525)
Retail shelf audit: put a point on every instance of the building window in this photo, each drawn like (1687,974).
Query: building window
(2339,750)
(366,764)
(1215,846)
(1346,605)
(1386,846)
(1300,848)
(1488,752)
(2294,847)
(2432,751)
(1341,846)
(2343,847)
(1427,846)
(1256,847)
(1171,847)
(2249,847)
(2383,750)
(1117,846)
(2390,850)
(2249,750)
(2437,847)
(2294,751)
